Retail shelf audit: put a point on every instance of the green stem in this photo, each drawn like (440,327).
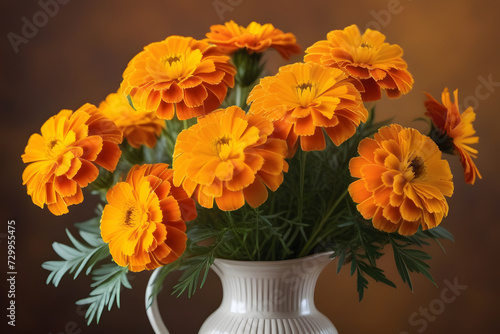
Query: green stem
(240,241)
(170,141)
(310,243)
(240,96)
(257,246)
(303,156)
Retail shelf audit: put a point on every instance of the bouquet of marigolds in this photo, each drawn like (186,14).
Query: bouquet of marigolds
(199,156)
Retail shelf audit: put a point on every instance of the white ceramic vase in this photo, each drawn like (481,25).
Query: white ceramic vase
(263,297)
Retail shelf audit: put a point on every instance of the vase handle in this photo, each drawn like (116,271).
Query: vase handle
(153,311)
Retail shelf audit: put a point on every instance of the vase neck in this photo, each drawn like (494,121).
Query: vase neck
(270,287)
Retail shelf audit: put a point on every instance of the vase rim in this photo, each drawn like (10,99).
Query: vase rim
(311,256)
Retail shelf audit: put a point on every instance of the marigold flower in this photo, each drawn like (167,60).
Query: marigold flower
(255,38)
(228,156)
(377,65)
(403,180)
(457,129)
(304,99)
(139,127)
(179,75)
(63,159)
(144,220)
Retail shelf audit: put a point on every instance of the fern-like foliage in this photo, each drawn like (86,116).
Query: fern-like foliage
(108,281)
(83,255)
(359,244)
(363,249)
(410,260)
(194,268)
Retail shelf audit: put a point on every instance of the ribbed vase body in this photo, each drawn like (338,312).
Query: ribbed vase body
(269,297)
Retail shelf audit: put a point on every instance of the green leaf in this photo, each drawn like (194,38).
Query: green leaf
(91,225)
(192,269)
(82,255)
(410,260)
(440,233)
(130,102)
(361,284)
(108,281)
(201,233)
(362,268)
(340,262)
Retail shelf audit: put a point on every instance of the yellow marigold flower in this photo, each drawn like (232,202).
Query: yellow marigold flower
(304,99)
(179,75)
(228,156)
(403,180)
(457,129)
(139,127)
(255,38)
(366,57)
(62,159)
(144,220)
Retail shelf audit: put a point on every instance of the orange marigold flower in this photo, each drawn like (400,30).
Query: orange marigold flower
(457,129)
(366,57)
(304,99)
(62,159)
(228,155)
(144,220)
(255,38)
(403,180)
(178,75)
(138,126)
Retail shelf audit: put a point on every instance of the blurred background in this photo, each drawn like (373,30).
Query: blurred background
(77,52)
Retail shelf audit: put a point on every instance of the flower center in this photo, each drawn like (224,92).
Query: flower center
(55,147)
(304,85)
(306,93)
(365,53)
(417,167)
(173,59)
(53,143)
(131,216)
(181,65)
(224,147)
(128,216)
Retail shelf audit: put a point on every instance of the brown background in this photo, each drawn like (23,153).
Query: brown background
(78,56)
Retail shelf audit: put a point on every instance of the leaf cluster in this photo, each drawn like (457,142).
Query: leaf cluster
(309,213)
(361,245)
(83,256)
